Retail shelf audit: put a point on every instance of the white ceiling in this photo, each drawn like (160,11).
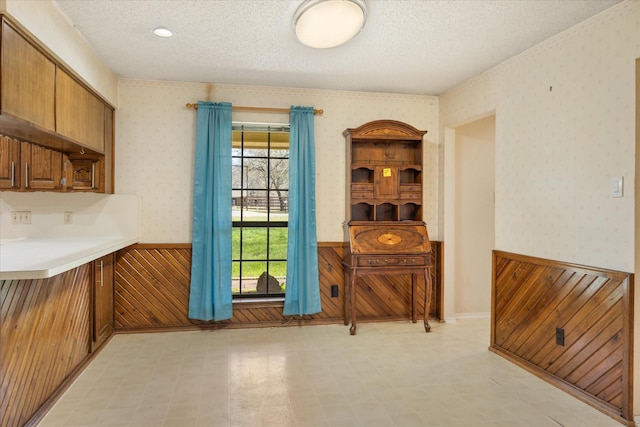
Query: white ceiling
(409,46)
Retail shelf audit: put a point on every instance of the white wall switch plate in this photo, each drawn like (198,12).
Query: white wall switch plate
(21,217)
(616,186)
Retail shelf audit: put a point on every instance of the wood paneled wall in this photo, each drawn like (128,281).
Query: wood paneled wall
(532,297)
(45,337)
(152,292)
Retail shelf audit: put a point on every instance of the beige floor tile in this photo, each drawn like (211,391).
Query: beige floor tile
(390,374)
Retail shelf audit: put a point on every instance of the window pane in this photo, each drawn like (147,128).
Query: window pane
(279,205)
(249,153)
(239,175)
(278,269)
(235,277)
(254,243)
(251,271)
(279,174)
(245,208)
(270,283)
(255,206)
(279,153)
(278,243)
(257,173)
(236,207)
(235,245)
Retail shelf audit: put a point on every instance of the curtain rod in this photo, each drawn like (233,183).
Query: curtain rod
(316,112)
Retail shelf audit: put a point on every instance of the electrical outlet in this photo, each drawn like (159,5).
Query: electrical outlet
(68,218)
(21,217)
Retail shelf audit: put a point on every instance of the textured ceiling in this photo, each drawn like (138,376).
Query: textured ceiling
(409,46)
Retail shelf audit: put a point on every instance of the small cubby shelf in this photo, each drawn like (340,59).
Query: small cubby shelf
(362,212)
(410,212)
(411,175)
(362,175)
(386,212)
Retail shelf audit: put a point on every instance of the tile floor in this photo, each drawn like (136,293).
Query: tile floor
(389,374)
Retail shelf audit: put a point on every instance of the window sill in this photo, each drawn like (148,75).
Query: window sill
(261,302)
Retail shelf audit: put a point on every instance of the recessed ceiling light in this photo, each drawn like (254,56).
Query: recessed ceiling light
(162,32)
(328,23)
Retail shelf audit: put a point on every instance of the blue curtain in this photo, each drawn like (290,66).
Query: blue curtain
(210,295)
(302,294)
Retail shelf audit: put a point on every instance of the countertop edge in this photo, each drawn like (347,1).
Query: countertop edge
(69,265)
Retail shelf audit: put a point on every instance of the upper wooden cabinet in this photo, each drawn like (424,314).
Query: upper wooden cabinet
(44,103)
(384,172)
(79,114)
(28,80)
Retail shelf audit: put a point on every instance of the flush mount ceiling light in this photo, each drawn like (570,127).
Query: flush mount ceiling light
(162,32)
(329,23)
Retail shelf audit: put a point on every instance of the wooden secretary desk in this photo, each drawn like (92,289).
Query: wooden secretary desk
(384,225)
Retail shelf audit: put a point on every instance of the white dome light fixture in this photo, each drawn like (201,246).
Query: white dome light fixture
(162,32)
(323,24)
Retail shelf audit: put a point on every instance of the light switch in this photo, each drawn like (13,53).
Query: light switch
(616,186)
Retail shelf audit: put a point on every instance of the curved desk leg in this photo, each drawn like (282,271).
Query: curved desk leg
(414,285)
(347,295)
(427,298)
(352,302)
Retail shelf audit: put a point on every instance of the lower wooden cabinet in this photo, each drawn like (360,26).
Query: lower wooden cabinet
(102,300)
(45,335)
(49,329)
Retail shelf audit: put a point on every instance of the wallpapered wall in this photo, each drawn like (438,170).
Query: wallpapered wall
(155,137)
(564,126)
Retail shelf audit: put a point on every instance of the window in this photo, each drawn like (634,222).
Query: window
(260,192)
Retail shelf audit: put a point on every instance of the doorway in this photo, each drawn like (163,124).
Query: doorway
(469,218)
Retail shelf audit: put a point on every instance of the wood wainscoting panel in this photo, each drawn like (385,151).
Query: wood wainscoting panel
(45,335)
(151,286)
(571,325)
(152,292)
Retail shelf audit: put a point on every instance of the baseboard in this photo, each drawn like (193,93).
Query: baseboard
(461,316)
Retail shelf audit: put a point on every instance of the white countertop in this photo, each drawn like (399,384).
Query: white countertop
(43,258)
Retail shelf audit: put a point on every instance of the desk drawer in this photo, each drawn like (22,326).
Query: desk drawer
(362,187)
(405,195)
(362,195)
(391,261)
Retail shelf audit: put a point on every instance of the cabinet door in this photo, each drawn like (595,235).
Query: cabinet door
(28,81)
(9,163)
(86,176)
(79,114)
(386,182)
(41,168)
(102,300)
